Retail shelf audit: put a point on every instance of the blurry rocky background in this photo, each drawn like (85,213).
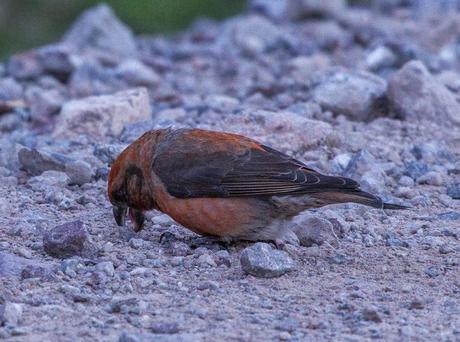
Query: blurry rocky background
(366,89)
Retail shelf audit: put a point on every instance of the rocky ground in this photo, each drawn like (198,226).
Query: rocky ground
(370,93)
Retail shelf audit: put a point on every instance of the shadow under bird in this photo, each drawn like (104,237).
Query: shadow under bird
(222,184)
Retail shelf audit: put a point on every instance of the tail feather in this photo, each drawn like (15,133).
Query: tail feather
(357,196)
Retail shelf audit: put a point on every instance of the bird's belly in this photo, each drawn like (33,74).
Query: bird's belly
(224,217)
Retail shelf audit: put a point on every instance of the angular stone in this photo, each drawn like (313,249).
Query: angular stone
(102,116)
(312,230)
(358,95)
(414,94)
(261,260)
(66,240)
(99,28)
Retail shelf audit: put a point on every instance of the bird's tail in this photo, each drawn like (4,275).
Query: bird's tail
(356,196)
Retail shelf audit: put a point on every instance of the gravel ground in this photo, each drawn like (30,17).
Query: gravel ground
(369,93)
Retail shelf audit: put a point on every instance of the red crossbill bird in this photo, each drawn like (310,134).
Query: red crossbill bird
(222,184)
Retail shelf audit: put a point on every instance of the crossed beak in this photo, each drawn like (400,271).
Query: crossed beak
(136,216)
(119,213)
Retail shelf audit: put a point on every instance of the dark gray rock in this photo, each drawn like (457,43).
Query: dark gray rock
(100,29)
(358,95)
(66,240)
(453,191)
(108,153)
(414,94)
(261,260)
(371,315)
(36,162)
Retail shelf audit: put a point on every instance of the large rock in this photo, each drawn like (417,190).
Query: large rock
(100,116)
(100,29)
(66,240)
(358,95)
(261,260)
(414,94)
(36,162)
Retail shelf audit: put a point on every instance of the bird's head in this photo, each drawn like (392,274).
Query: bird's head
(129,186)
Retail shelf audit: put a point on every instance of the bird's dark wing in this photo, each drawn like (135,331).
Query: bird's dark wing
(196,163)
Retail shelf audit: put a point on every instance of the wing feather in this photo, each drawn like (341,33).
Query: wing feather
(214,164)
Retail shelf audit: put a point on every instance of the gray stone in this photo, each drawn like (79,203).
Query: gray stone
(298,9)
(431,152)
(255,34)
(99,28)
(10,89)
(66,240)
(44,102)
(25,65)
(108,153)
(364,168)
(312,230)
(79,172)
(71,266)
(137,74)
(206,260)
(415,169)
(35,162)
(222,103)
(453,191)
(106,267)
(431,178)
(128,306)
(49,179)
(270,8)
(101,116)
(91,78)
(165,328)
(380,57)
(406,181)
(357,95)
(261,260)
(371,315)
(414,94)
(223,257)
(13,266)
(10,313)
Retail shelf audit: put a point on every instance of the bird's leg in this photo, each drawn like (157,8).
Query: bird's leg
(137,218)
